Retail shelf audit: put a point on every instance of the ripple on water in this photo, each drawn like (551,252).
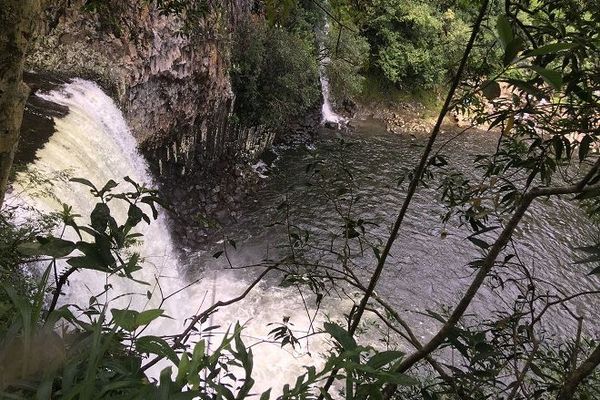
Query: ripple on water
(428,264)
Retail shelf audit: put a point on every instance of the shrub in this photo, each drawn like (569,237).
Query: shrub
(414,43)
(349,54)
(274,74)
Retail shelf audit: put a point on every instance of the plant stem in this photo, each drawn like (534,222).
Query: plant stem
(413,184)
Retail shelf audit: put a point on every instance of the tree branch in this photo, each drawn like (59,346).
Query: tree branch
(487,265)
(586,368)
(182,337)
(413,185)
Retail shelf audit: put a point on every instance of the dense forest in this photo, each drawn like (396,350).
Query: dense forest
(299,199)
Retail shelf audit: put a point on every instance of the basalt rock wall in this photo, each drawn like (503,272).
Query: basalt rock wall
(174,89)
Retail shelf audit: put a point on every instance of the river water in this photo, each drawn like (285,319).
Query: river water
(427,268)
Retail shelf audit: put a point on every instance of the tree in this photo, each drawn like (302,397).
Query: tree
(549,123)
(17,18)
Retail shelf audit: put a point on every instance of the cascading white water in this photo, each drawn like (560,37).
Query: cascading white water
(328,115)
(93,141)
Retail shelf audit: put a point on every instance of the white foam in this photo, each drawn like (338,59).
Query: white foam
(93,141)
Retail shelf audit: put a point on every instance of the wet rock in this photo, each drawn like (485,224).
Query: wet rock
(332,125)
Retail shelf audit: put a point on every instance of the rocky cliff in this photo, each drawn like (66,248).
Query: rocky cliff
(174,89)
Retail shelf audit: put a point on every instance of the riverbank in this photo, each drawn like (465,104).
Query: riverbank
(402,112)
(408,117)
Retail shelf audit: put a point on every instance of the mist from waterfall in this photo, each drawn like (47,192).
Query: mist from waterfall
(93,142)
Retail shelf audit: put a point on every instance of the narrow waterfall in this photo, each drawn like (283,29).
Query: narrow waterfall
(328,114)
(93,141)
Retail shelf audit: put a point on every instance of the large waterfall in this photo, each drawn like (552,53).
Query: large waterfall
(93,141)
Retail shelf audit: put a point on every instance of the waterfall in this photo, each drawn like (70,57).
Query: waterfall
(93,141)
(328,115)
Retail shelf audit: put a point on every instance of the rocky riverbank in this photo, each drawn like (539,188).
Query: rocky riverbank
(200,203)
(407,117)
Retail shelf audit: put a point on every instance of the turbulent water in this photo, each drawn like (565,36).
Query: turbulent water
(93,141)
(427,269)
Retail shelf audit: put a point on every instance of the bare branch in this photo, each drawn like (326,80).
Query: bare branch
(182,337)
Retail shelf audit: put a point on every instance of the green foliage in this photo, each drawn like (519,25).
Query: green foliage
(274,74)
(98,351)
(349,59)
(11,271)
(414,43)
(550,53)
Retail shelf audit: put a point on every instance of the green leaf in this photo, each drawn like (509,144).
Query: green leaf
(398,379)
(135,215)
(108,187)
(50,246)
(525,87)
(558,145)
(504,29)
(218,254)
(266,395)
(145,317)
(100,217)
(554,78)
(31,249)
(491,89)
(595,271)
(125,319)
(93,259)
(56,247)
(549,49)
(377,253)
(87,262)
(152,201)
(512,49)
(478,242)
(340,335)
(583,94)
(385,357)
(158,346)
(84,182)
(183,369)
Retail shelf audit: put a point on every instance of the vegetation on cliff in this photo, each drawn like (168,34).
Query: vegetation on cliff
(414,46)
(274,71)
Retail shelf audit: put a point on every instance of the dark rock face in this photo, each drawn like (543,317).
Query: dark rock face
(174,90)
(38,125)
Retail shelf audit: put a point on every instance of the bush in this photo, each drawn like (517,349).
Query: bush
(349,54)
(274,74)
(414,44)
